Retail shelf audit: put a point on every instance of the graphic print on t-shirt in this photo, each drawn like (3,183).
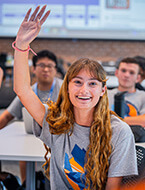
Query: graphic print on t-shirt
(130,109)
(74,168)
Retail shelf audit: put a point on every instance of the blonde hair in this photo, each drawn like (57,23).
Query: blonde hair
(61,120)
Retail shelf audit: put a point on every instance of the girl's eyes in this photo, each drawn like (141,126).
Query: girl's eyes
(92,83)
(77,82)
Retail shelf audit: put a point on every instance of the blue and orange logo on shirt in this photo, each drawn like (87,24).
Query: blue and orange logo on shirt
(130,109)
(74,168)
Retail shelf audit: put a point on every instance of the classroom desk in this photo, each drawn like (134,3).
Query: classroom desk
(16,145)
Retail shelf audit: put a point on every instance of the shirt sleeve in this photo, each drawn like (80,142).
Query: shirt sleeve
(43,132)
(123,161)
(15,108)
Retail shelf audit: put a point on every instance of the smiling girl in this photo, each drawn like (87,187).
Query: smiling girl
(91,148)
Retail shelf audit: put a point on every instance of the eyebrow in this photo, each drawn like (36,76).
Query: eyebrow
(93,78)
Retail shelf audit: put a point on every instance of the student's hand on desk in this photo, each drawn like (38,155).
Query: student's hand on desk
(30,27)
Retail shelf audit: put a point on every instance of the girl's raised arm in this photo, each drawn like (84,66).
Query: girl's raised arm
(28,31)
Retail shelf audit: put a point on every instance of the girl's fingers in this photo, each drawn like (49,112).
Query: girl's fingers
(34,13)
(38,16)
(27,15)
(41,13)
(44,17)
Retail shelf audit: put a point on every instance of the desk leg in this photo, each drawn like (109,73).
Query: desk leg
(30,176)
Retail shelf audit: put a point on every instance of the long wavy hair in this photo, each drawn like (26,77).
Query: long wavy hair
(61,120)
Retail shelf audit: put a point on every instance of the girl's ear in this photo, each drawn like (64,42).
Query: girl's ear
(103,90)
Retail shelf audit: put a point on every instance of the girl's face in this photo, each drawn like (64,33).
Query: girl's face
(85,90)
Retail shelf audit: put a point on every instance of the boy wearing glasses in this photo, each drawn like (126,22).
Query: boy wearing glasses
(46,86)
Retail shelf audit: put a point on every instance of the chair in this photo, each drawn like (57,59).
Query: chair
(119,108)
(138,132)
(132,180)
(6,96)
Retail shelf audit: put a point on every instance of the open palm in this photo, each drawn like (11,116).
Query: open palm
(30,27)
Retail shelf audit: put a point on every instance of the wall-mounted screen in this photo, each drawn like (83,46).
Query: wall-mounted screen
(79,19)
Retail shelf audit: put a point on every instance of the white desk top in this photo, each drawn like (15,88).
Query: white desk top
(16,145)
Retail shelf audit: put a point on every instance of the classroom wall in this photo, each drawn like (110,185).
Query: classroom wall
(70,50)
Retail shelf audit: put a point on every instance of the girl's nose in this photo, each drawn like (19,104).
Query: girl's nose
(84,88)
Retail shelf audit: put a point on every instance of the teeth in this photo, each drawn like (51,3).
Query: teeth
(84,98)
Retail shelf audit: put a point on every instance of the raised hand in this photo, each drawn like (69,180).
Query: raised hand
(30,27)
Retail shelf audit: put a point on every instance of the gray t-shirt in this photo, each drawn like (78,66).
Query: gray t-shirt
(134,102)
(15,108)
(68,153)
